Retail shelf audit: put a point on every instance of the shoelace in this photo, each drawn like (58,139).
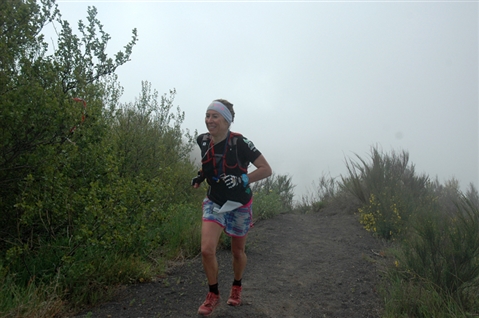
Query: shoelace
(235,293)
(211,300)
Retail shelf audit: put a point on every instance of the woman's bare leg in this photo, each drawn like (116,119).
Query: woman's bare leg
(210,235)
(239,256)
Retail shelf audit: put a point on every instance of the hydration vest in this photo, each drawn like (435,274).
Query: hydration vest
(233,165)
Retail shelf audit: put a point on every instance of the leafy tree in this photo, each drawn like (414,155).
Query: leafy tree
(48,150)
(89,189)
(148,135)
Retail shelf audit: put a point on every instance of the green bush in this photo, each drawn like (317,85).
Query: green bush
(326,193)
(388,189)
(33,300)
(418,298)
(267,205)
(180,235)
(93,194)
(443,252)
(272,196)
(435,230)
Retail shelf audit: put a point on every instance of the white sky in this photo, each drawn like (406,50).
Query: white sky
(314,82)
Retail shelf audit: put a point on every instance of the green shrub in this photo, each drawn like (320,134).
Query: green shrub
(417,298)
(436,272)
(267,205)
(382,215)
(444,250)
(322,194)
(93,195)
(272,196)
(434,229)
(388,190)
(181,232)
(34,300)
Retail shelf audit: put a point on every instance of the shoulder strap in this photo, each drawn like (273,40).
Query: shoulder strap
(205,140)
(206,137)
(234,139)
(205,143)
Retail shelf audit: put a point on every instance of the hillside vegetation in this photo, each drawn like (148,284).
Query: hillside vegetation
(432,267)
(95,193)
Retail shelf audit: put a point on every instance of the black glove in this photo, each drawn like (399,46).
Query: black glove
(198,179)
(235,181)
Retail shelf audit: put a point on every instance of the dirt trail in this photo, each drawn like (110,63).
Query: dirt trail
(299,265)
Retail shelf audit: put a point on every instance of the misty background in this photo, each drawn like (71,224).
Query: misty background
(313,83)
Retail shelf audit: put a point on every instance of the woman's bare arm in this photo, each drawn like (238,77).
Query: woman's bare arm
(263,170)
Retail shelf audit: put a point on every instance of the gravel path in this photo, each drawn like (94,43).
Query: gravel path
(299,265)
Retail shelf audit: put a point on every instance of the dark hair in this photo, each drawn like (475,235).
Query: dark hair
(229,106)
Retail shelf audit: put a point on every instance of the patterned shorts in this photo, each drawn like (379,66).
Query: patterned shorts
(235,223)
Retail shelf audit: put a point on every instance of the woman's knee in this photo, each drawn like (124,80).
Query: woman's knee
(210,236)
(238,250)
(208,251)
(238,254)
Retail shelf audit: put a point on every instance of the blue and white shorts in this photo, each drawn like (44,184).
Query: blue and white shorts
(234,223)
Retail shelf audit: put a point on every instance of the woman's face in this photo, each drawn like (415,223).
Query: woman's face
(215,123)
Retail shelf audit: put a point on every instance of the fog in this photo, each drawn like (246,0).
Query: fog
(314,83)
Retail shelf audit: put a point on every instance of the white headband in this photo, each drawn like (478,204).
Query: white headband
(222,109)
